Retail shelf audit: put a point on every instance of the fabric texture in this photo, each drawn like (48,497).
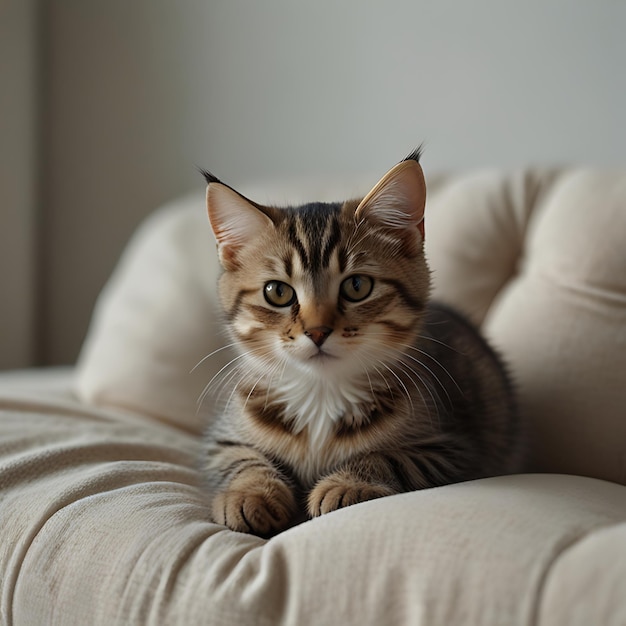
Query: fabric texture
(103,519)
(103,522)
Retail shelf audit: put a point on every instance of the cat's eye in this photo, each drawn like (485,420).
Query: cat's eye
(356,288)
(278,293)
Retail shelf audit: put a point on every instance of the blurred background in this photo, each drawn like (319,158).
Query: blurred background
(108,106)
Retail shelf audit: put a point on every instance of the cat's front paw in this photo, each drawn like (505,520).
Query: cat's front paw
(335,492)
(261,510)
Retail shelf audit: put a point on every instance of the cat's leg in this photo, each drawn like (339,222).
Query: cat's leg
(365,478)
(250,494)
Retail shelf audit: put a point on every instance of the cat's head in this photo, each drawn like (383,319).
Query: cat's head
(330,289)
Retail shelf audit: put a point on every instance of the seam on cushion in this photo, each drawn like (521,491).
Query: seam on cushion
(538,190)
(579,287)
(563,549)
(544,187)
(525,194)
(532,191)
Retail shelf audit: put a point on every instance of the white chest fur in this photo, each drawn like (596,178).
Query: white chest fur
(318,399)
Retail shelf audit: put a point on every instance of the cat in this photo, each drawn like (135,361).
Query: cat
(350,384)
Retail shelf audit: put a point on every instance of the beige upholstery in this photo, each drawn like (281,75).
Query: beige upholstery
(542,255)
(103,519)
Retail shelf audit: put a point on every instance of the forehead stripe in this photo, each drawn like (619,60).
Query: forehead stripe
(297,244)
(332,242)
(288,263)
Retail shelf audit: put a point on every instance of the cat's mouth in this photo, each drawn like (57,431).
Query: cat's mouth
(320,355)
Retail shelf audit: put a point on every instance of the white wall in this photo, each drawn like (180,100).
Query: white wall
(139,93)
(18,182)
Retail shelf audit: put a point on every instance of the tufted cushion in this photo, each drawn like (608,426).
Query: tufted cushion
(537,257)
(541,260)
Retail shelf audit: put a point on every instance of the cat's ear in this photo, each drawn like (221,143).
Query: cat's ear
(397,201)
(235,221)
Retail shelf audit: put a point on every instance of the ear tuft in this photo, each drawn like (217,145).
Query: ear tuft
(416,155)
(210,178)
(235,221)
(398,200)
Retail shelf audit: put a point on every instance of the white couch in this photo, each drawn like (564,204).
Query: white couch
(103,521)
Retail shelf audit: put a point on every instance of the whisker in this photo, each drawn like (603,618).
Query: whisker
(226,381)
(406,391)
(371,353)
(260,351)
(208,356)
(261,377)
(229,364)
(437,362)
(243,375)
(410,372)
(437,379)
(442,343)
(222,388)
(232,393)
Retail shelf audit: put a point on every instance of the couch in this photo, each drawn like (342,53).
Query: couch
(103,520)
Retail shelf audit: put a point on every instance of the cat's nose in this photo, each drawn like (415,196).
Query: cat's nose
(318,335)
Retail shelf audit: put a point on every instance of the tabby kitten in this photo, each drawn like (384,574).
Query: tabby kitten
(350,385)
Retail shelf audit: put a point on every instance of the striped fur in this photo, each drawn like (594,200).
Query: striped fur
(341,394)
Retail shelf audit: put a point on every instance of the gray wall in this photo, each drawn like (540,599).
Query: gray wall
(136,94)
(18,181)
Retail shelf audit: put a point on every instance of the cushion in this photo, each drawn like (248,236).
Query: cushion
(537,257)
(540,259)
(157,319)
(103,522)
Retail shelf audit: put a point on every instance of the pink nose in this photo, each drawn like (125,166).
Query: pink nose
(318,335)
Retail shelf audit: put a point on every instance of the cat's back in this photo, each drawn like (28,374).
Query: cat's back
(472,385)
